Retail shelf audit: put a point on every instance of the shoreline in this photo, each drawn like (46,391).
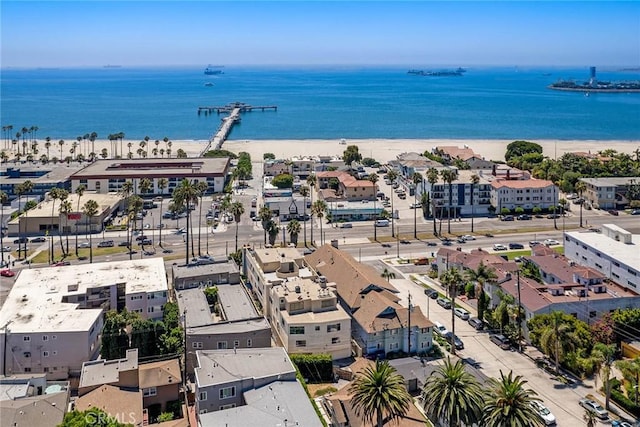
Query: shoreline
(381,149)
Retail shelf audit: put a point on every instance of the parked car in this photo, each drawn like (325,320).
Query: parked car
(106,244)
(616,423)
(594,407)
(533,243)
(346,225)
(613,212)
(516,246)
(5,249)
(421,261)
(439,329)
(461,240)
(123,244)
(461,313)
(501,341)
(499,247)
(432,244)
(457,342)
(635,212)
(21,240)
(444,302)
(40,239)
(61,263)
(146,242)
(477,324)
(469,237)
(551,242)
(141,237)
(7,273)
(544,412)
(524,217)
(507,218)
(84,245)
(431,293)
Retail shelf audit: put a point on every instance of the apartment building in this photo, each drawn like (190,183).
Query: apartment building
(107,176)
(526,194)
(608,192)
(458,198)
(192,276)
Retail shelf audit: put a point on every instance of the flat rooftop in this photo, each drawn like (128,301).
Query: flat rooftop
(35,301)
(38,173)
(237,327)
(194,301)
(154,168)
(610,181)
(46,207)
(98,372)
(235,302)
(187,271)
(625,253)
(223,366)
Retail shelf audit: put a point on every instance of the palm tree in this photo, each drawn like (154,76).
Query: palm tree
(580,188)
(450,280)
(453,395)
(312,182)
(630,368)
(79,192)
(294,230)
(416,178)
(129,145)
(125,191)
(202,188)
(183,195)
(90,209)
(373,178)
(92,137)
(392,176)
(162,184)
(481,275)
(47,144)
(388,275)
(448,176)
(273,230)
(379,393)
(590,417)
(604,354)
(134,206)
(64,210)
(4,198)
(265,216)
(475,179)
(509,403)
(319,208)
(558,338)
(237,209)
(61,143)
(304,192)
(27,187)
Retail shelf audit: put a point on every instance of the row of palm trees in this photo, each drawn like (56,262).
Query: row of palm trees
(451,396)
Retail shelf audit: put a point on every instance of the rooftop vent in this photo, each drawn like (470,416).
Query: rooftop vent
(297,288)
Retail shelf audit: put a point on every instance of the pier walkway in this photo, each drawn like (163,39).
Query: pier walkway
(234,110)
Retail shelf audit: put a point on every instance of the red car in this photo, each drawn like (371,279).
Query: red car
(7,273)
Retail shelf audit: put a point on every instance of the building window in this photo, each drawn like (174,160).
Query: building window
(148,392)
(592,314)
(249,342)
(150,309)
(227,392)
(229,406)
(54,337)
(222,345)
(295,306)
(27,354)
(45,354)
(301,343)
(333,328)
(196,344)
(26,338)
(296,330)
(335,340)
(27,369)
(136,297)
(202,396)
(45,338)
(236,344)
(317,328)
(326,303)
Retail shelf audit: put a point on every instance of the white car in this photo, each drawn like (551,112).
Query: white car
(594,407)
(84,245)
(499,247)
(468,237)
(461,313)
(546,415)
(551,242)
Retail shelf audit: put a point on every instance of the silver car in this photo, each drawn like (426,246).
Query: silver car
(546,415)
(594,407)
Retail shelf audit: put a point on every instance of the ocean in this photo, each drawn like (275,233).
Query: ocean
(318,103)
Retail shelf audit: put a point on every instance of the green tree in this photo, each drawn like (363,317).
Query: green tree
(293,228)
(631,371)
(604,354)
(448,176)
(237,209)
(480,276)
(590,418)
(373,178)
(184,195)
(65,210)
(202,187)
(509,403)
(319,209)
(304,192)
(580,188)
(379,394)
(475,180)
(388,275)
(392,176)
(4,198)
(520,148)
(416,178)
(312,182)
(558,338)
(453,395)
(162,184)
(272,230)
(79,192)
(268,156)
(283,180)
(90,209)
(432,178)
(351,155)
(92,417)
(265,217)
(450,280)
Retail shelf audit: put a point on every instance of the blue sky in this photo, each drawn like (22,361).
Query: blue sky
(94,33)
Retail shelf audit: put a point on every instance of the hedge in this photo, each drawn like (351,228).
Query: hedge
(315,368)
(623,400)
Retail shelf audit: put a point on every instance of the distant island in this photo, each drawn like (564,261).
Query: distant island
(595,85)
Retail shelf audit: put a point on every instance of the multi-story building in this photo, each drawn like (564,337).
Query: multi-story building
(460,202)
(349,187)
(194,276)
(43,178)
(609,193)
(107,176)
(613,252)
(526,194)
(303,310)
(31,400)
(307,318)
(55,323)
(380,325)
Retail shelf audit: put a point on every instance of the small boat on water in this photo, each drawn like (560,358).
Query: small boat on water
(213,70)
(208,84)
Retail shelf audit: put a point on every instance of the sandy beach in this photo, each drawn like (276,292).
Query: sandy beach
(382,150)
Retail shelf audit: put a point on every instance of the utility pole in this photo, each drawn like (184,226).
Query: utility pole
(4,347)
(409,326)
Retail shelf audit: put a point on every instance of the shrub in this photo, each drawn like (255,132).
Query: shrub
(470,290)
(623,400)
(316,368)
(165,416)
(325,390)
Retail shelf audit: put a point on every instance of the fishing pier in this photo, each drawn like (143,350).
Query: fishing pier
(227,122)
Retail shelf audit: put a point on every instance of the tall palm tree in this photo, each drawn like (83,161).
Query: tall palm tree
(125,191)
(392,176)
(450,280)
(47,144)
(4,198)
(481,275)
(92,137)
(630,368)
(604,354)
(304,192)
(54,194)
(185,194)
(416,178)
(312,182)
(453,395)
(580,188)
(319,208)
(475,179)
(162,184)
(79,192)
(558,338)
(134,206)
(374,179)
(237,209)
(509,403)
(448,176)
(272,230)
(27,187)
(202,188)
(64,210)
(379,394)
(265,216)
(388,275)
(61,143)
(90,209)
(590,418)
(294,230)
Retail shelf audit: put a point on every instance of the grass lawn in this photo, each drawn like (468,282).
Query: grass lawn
(43,257)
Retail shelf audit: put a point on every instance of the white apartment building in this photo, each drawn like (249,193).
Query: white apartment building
(526,194)
(307,318)
(54,316)
(614,252)
(461,199)
(303,311)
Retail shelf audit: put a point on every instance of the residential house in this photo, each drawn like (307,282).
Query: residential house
(32,401)
(349,187)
